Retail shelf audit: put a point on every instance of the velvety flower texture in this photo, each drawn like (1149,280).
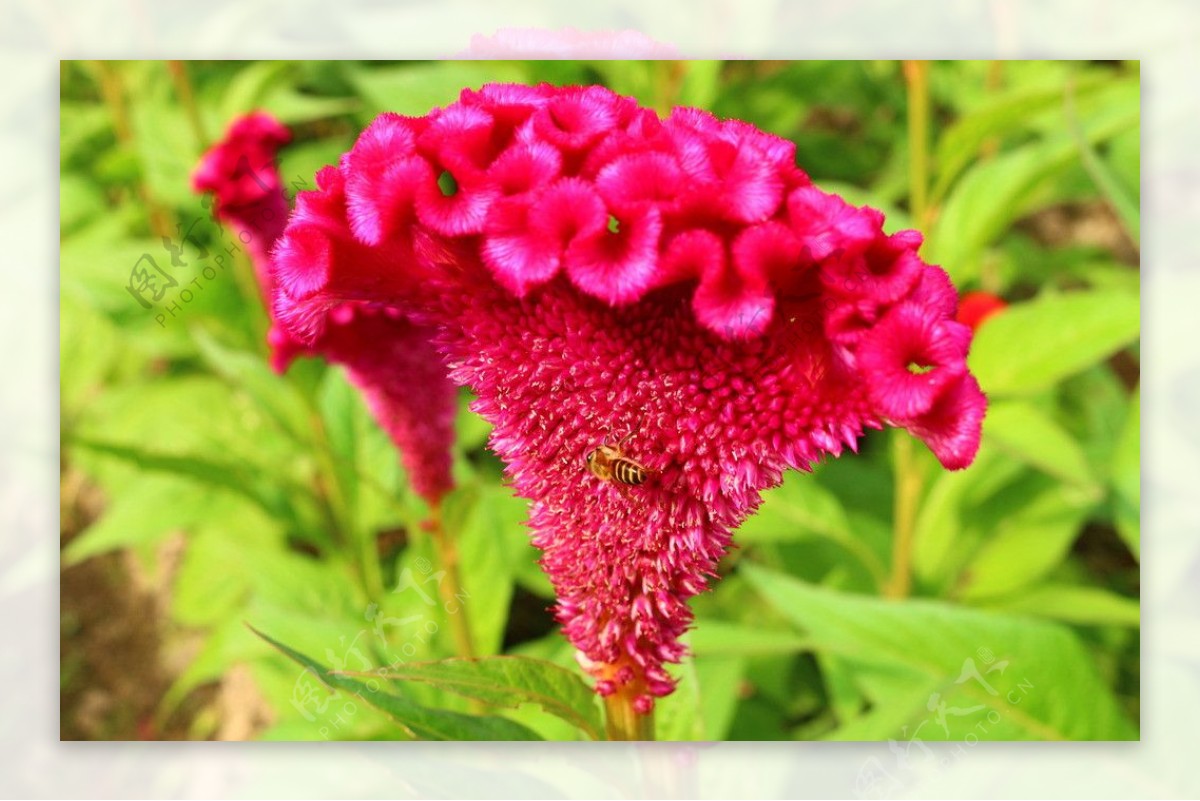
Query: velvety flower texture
(388,357)
(598,275)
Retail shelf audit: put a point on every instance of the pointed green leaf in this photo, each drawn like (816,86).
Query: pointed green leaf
(1032,345)
(722,638)
(1083,605)
(1027,543)
(993,194)
(248,372)
(230,475)
(1126,478)
(509,681)
(1027,433)
(417,721)
(1020,678)
(1002,115)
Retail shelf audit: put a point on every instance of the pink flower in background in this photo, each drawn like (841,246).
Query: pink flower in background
(242,174)
(389,358)
(676,287)
(567,42)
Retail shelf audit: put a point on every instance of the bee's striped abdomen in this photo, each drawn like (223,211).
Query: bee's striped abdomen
(629,472)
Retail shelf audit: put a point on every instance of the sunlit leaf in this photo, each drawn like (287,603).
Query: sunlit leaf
(1031,345)
(418,721)
(509,681)
(1020,677)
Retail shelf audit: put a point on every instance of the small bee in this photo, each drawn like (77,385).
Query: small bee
(609,463)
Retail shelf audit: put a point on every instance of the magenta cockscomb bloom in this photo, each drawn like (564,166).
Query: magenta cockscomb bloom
(677,287)
(241,173)
(388,357)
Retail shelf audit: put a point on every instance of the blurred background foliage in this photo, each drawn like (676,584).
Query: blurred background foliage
(201,491)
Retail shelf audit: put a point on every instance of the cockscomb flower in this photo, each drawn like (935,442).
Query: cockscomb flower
(388,357)
(677,287)
(243,176)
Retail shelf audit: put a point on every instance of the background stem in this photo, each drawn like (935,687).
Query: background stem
(904,513)
(907,473)
(450,586)
(187,99)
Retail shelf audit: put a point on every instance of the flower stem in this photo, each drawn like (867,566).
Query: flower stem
(450,585)
(187,99)
(904,514)
(112,89)
(623,722)
(907,471)
(916,76)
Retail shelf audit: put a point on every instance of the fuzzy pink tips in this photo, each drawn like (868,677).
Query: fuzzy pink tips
(825,223)
(733,299)
(951,428)
(618,263)
(240,169)
(909,359)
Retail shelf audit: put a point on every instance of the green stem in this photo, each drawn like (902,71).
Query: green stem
(112,89)
(916,76)
(450,586)
(187,99)
(622,721)
(907,471)
(339,510)
(904,514)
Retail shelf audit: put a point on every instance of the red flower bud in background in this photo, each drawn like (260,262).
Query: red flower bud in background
(975,307)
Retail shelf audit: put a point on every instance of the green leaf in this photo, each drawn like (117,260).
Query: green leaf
(148,511)
(484,520)
(718,682)
(1106,181)
(799,509)
(1032,345)
(700,84)
(245,91)
(946,528)
(417,721)
(1004,114)
(1024,431)
(1020,678)
(1072,604)
(1126,478)
(415,89)
(509,681)
(292,107)
(722,638)
(995,193)
(230,475)
(248,372)
(1027,543)
(88,351)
